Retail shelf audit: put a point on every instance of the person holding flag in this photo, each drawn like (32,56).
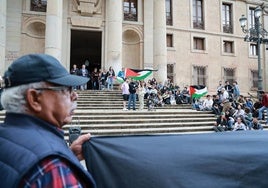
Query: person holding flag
(197,91)
(121,75)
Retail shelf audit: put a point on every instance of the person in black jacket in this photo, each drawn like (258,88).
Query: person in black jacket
(132,94)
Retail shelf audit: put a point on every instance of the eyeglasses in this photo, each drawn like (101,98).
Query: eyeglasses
(63,89)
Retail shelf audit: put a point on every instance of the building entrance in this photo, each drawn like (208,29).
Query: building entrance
(86,49)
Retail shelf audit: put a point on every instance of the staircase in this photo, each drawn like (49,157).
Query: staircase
(109,100)
(100,113)
(117,122)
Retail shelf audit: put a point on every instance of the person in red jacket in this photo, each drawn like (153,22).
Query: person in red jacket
(264,102)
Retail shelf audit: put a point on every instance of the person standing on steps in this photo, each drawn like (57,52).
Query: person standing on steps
(141,93)
(125,93)
(95,79)
(110,78)
(75,71)
(84,73)
(132,94)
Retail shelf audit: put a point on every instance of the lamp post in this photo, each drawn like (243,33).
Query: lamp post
(256,34)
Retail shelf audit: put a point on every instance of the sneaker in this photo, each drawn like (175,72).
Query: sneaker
(124,109)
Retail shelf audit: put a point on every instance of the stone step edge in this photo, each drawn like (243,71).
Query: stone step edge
(178,120)
(139,118)
(142,115)
(162,124)
(160,130)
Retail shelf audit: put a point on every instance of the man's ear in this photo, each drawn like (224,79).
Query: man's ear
(33,100)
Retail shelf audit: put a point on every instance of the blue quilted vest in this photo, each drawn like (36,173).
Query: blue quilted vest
(26,140)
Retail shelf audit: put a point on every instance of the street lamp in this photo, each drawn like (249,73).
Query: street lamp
(256,34)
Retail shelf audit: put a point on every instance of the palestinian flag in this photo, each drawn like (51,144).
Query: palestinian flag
(198,91)
(137,74)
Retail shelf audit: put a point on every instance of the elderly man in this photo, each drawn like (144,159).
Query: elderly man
(39,100)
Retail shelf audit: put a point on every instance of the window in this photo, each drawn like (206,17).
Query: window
(169,40)
(170,72)
(39,5)
(199,43)
(229,75)
(253,49)
(228,46)
(254,78)
(227,18)
(168,12)
(130,10)
(198,22)
(251,17)
(199,75)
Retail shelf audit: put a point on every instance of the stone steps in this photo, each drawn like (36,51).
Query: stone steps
(146,131)
(110,100)
(92,106)
(100,113)
(162,121)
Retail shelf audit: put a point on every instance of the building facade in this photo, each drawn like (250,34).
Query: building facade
(190,41)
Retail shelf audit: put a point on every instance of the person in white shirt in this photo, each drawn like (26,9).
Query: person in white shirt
(207,104)
(224,95)
(125,93)
(239,125)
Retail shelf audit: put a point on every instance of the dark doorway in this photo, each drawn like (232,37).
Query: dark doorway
(86,49)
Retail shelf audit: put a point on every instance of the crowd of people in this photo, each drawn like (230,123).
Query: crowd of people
(227,103)
(154,93)
(38,103)
(98,79)
(234,111)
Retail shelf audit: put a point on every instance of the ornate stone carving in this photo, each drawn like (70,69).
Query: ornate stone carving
(89,7)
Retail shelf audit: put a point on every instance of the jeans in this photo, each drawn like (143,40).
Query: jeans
(261,112)
(110,84)
(230,123)
(132,98)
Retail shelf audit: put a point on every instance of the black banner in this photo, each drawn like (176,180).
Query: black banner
(228,159)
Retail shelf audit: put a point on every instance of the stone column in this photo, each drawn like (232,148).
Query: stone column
(148,37)
(160,43)
(114,34)
(53,42)
(3,15)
